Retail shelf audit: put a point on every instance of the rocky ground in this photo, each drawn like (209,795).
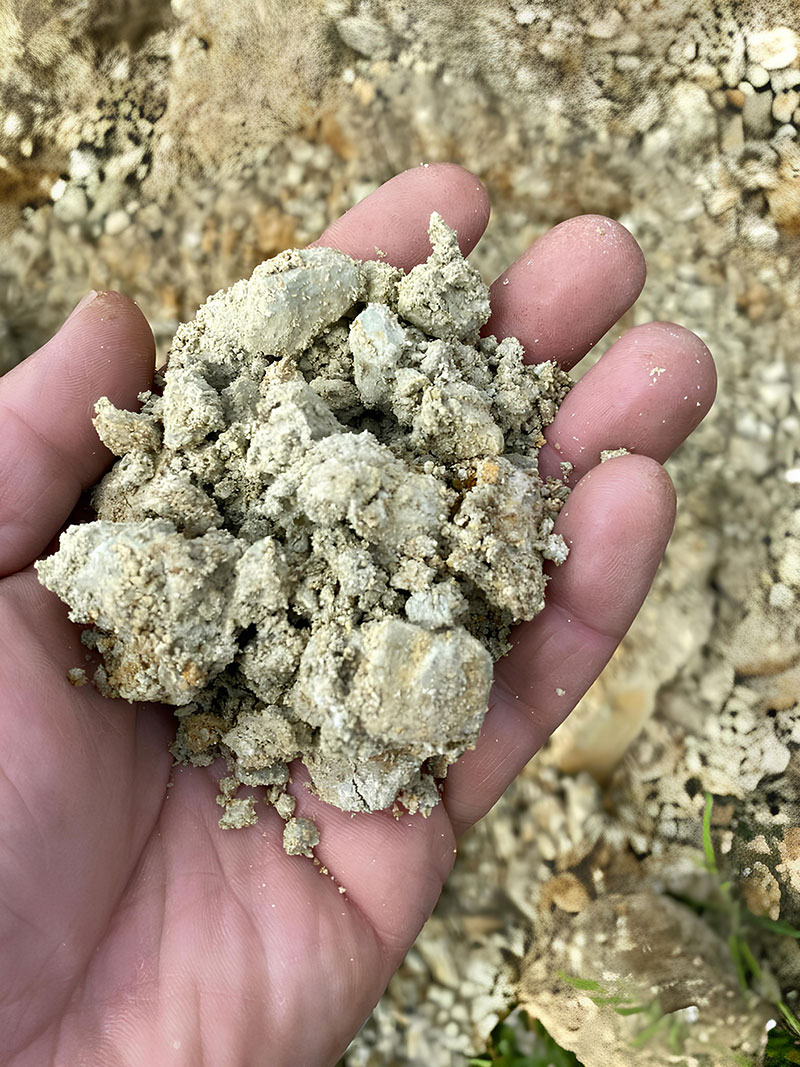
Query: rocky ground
(165,151)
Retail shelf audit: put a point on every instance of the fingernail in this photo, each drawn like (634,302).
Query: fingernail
(90,296)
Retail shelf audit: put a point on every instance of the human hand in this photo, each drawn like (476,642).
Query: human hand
(134,929)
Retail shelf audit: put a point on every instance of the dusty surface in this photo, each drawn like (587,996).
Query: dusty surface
(318,535)
(681,120)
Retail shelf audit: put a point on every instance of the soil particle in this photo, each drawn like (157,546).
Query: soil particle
(300,837)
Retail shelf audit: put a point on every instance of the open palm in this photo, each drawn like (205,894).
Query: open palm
(132,929)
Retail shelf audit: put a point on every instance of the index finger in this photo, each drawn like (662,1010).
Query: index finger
(391,224)
(49,451)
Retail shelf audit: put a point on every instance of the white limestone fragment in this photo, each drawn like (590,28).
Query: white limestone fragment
(158,598)
(192,408)
(773,49)
(443,676)
(378,343)
(277,310)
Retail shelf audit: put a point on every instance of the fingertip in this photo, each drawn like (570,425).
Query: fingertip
(116,346)
(469,208)
(609,237)
(571,285)
(692,357)
(648,393)
(625,490)
(114,310)
(391,223)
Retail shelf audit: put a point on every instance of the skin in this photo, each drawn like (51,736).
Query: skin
(137,930)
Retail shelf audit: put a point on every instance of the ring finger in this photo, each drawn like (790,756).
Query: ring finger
(650,389)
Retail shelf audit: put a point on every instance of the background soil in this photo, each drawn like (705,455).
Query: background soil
(164,150)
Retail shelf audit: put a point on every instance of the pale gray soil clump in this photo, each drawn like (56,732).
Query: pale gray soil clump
(317,538)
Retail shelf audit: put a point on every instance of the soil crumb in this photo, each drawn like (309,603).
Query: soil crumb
(300,837)
(315,541)
(613,453)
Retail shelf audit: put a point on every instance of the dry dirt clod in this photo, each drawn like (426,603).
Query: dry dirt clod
(316,541)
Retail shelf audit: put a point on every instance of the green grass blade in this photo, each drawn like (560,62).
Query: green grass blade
(674,1037)
(587,984)
(789,1016)
(750,960)
(734,945)
(649,1032)
(777,926)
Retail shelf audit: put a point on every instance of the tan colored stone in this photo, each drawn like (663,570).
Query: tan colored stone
(773,49)
(566,892)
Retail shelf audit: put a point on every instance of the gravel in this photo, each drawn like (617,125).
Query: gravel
(681,122)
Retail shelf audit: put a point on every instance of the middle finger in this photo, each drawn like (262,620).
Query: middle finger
(568,289)
(649,390)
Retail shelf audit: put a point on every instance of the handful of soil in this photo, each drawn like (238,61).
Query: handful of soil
(316,540)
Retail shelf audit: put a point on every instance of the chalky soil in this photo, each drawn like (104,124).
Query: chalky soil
(316,541)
